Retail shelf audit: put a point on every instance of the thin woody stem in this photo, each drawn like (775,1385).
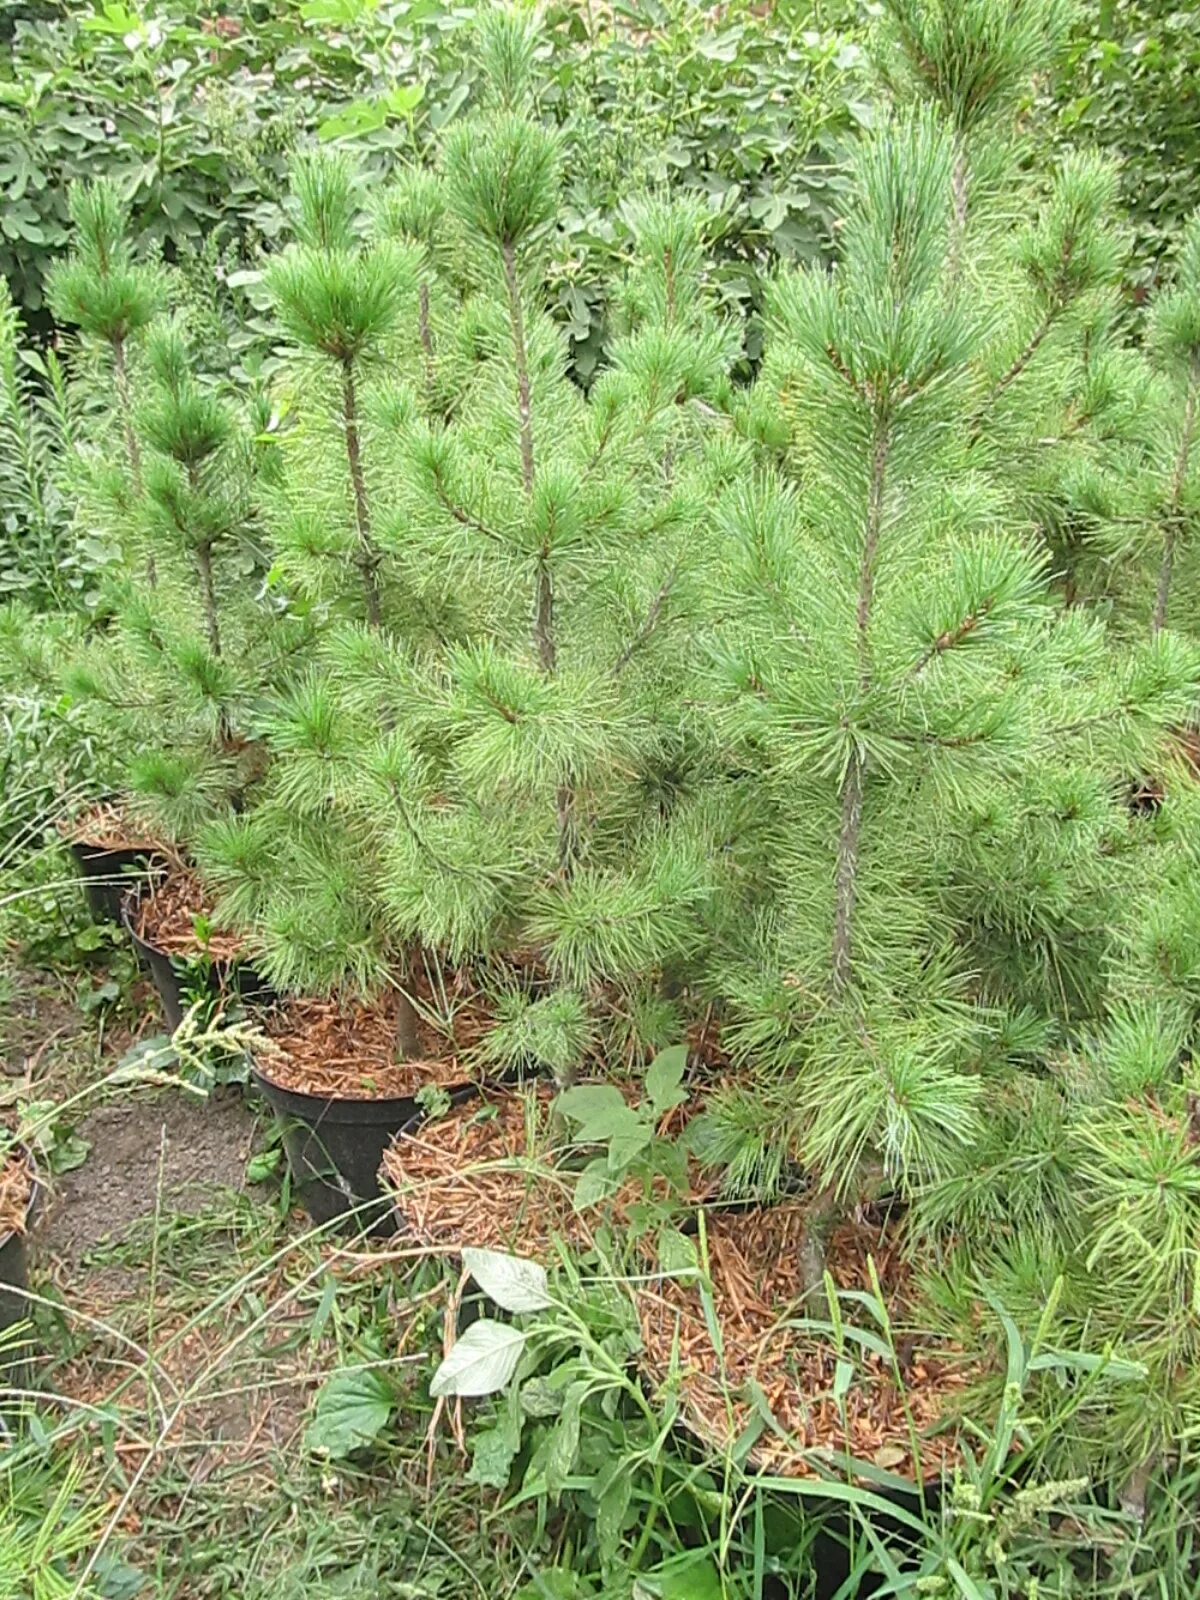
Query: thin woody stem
(367,559)
(851,806)
(133,450)
(209,596)
(1172,519)
(543,612)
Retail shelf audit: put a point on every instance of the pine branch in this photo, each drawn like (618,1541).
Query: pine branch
(649,625)
(208,594)
(125,404)
(958,195)
(1031,349)
(524,407)
(1172,520)
(464,518)
(953,637)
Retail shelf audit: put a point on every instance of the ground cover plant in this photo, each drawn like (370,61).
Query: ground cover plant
(642,1041)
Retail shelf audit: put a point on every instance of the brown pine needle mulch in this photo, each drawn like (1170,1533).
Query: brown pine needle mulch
(495,1174)
(166,919)
(16,1189)
(480,1176)
(105,826)
(348,1050)
(756,1285)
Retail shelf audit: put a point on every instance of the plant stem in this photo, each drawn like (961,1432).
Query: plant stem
(958,194)
(850,832)
(423,319)
(368,558)
(408,1039)
(209,596)
(1178,478)
(133,450)
(820,1218)
(125,402)
(543,614)
(524,407)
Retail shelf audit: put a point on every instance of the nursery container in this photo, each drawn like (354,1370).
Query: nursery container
(106,875)
(334,1148)
(220,977)
(14,1281)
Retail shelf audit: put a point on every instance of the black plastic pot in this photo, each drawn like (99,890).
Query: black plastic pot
(334,1149)
(14,1284)
(106,875)
(219,977)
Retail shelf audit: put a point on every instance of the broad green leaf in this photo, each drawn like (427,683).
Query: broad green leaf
(492,1455)
(351,1411)
(113,19)
(628,1140)
(405,100)
(512,1282)
(359,117)
(481,1362)
(594,1106)
(664,1079)
(611,1510)
(539,1398)
(557,1583)
(676,1252)
(595,1183)
(564,1441)
(694,1577)
(338,13)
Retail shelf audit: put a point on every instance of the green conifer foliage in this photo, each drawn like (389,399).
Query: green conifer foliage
(1137,502)
(340,298)
(104,291)
(168,686)
(974,60)
(926,726)
(503,769)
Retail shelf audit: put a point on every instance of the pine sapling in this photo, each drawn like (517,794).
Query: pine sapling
(109,295)
(901,672)
(341,298)
(1175,339)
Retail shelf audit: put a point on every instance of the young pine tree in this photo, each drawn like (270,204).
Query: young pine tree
(973,62)
(511,784)
(910,701)
(111,297)
(1137,503)
(171,682)
(339,297)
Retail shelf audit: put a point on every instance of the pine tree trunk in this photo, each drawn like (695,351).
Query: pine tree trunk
(367,559)
(543,612)
(958,195)
(521,355)
(1178,479)
(853,784)
(821,1216)
(133,450)
(408,1038)
(425,328)
(208,594)
(423,319)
